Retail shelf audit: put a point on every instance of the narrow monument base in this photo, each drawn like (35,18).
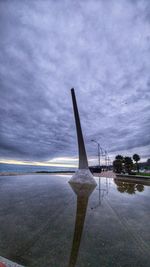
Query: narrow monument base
(83,176)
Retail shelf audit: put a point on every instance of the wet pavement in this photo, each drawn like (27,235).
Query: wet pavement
(46,222)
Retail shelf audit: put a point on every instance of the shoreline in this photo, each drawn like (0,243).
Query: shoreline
(102,174)
(38,172)
(133,176)
(107,174)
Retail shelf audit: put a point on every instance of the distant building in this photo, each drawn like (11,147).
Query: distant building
(96,169)
(145,165)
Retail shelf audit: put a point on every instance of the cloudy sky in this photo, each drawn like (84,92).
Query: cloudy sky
(99,47)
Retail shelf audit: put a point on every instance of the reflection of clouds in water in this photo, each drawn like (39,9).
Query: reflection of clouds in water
(130,188)
(83,191)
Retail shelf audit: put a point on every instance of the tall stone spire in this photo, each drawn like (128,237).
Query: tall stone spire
(83,163)
(83,174)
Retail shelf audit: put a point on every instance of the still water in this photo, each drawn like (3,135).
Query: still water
(18,168)
(44,221)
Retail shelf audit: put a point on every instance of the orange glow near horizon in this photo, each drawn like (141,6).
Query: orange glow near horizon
(38,163)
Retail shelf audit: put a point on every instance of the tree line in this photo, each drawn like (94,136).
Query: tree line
(126,164)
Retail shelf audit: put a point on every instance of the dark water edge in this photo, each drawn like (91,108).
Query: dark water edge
(16,168)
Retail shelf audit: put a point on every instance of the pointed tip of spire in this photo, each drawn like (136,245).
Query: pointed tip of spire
(73,92)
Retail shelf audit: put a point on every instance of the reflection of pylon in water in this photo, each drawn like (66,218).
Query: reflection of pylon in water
(102,191)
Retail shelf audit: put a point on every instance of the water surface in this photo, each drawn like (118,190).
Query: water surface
(19,168)
(46,222)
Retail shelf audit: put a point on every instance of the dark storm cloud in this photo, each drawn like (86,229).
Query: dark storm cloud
(101,48)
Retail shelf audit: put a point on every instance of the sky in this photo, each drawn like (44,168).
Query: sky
(102,49)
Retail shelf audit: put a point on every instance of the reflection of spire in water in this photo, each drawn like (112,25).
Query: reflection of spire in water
(83,192)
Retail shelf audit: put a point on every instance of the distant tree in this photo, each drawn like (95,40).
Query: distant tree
(117,166)
(128,164)
(119,157)
(136,158)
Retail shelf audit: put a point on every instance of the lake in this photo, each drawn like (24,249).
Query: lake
(19,168)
